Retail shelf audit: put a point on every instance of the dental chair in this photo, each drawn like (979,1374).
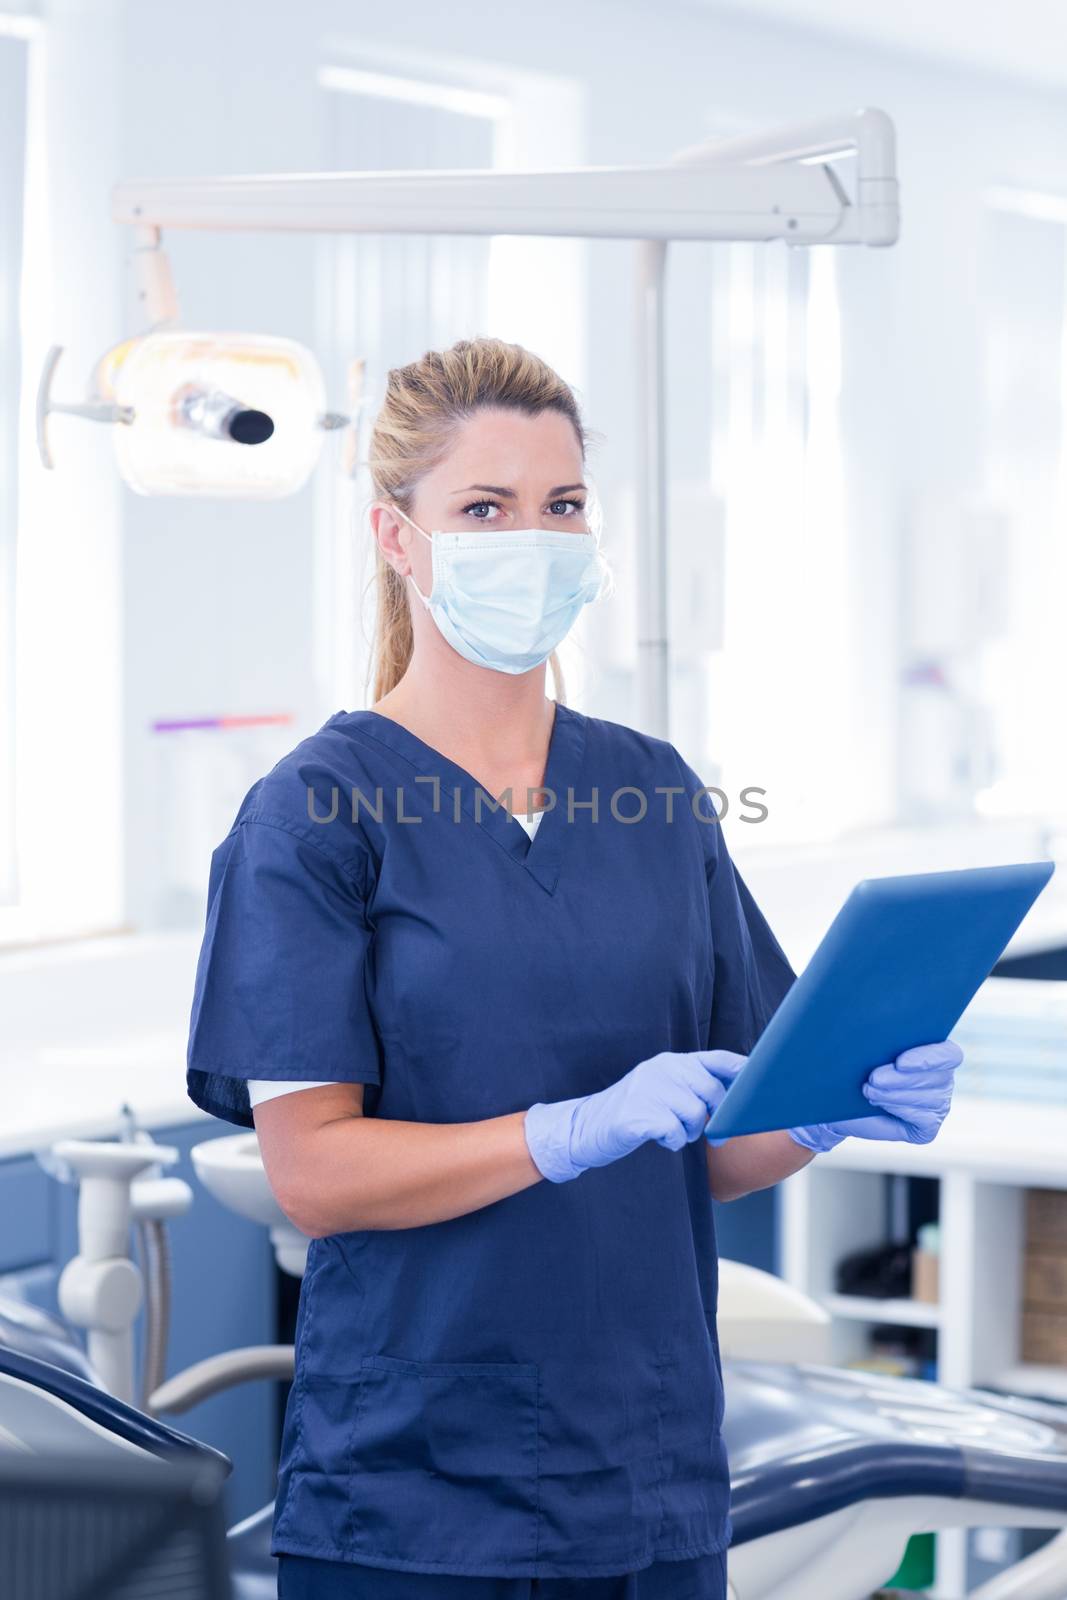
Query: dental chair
(832,1470)
(52,1403)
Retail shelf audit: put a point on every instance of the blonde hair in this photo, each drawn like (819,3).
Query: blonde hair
(424,404)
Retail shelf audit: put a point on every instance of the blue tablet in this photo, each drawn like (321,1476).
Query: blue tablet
(898,967)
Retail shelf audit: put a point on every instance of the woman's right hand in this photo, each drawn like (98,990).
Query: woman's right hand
(667,1098)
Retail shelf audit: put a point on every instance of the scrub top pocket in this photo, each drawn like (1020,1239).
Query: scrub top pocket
(444,1463)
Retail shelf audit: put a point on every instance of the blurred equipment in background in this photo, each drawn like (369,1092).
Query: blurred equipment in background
(1044,1306)
(80,1526)
(1014,1039)
(883,1272)
(200,769)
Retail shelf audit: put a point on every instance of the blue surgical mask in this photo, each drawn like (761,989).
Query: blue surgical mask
(506,600)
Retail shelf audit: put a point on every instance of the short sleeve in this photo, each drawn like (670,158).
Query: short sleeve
(281,988)
(752,972)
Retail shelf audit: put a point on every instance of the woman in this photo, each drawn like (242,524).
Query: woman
(482,1048)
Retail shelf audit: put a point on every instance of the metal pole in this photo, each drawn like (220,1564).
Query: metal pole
(653,690)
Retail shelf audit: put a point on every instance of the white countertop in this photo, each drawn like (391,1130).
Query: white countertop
(1000,1141)
(78,1092)
(91,1026)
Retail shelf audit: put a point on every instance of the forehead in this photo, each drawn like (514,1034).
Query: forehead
(508,448)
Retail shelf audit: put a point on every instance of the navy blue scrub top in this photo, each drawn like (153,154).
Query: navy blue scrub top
(533,1389)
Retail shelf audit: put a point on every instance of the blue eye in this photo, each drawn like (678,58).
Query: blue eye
(575,507)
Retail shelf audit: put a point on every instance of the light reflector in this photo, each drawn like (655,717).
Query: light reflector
(234,415)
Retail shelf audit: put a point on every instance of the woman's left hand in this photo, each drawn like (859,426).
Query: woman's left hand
(912,1095)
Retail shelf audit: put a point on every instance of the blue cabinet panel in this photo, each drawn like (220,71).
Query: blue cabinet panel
(25,1215)
(747,1229)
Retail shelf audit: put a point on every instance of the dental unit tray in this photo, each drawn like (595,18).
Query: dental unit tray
(897,967)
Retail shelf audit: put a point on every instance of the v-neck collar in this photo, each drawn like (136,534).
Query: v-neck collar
(541,855)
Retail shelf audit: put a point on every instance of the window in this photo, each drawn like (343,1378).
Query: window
(765,702)
(1013,653)
(14,94)
(67,625)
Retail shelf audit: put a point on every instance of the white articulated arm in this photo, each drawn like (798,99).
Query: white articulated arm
(100,1289)
(869,135)
(215,1374)
(749,189)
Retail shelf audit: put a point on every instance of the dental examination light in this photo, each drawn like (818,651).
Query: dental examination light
(182,404)
(240,416)
(218,414)
(236,415)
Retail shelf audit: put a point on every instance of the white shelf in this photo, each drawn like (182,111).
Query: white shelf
(836,1206)
(1042,1383)
(866,1308)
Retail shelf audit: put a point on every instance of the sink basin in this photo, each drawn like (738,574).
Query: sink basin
(232,1170)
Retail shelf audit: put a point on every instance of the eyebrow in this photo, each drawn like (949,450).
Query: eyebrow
(509,494)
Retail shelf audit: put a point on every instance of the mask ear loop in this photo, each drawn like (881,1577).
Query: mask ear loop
(410,576)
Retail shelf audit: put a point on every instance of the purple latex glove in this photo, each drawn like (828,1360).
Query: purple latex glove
(667,1098)
(914,1092)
